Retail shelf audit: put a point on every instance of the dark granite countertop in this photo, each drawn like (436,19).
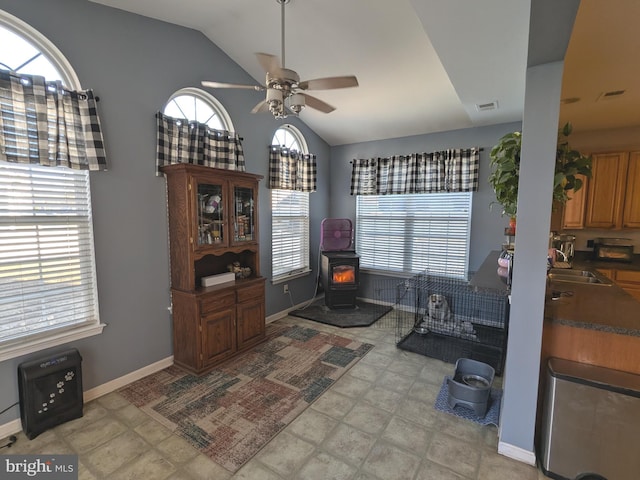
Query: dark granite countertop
(487,275)
(596,307)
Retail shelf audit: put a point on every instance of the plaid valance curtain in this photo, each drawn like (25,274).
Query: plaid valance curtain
(44,123)
(454,170)
(182,141)
(291,170)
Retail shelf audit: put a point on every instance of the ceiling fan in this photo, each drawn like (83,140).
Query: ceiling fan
(285,93)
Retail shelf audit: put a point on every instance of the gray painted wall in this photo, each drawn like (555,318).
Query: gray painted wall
(134,64)
(537,164)
(487,224)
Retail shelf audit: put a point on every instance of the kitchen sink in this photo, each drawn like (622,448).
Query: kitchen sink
(577,276)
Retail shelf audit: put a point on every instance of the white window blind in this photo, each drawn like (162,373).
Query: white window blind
(47,265)
(412,233)
(290,233)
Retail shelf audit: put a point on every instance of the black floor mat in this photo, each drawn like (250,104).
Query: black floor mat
(363,315)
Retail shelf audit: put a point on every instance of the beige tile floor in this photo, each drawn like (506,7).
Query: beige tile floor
(376,423)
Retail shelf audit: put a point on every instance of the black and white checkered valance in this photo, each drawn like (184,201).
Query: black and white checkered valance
(184,141)
(291,170)
(44,123)
(454,170)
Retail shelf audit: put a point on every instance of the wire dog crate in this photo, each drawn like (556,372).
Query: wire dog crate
(447,319)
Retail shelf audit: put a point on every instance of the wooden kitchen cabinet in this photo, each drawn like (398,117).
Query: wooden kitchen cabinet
(574,210)
(628,280)
(631,210)
(613,195)
(610,273)
(212,224)
(606,191)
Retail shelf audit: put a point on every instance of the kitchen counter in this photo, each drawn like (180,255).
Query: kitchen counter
(604,308)
(593,324)
(487,275)
(597,307)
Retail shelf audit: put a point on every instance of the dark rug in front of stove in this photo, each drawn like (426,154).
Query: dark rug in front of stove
(363,315)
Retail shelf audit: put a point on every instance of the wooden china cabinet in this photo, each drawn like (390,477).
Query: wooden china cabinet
(213,222)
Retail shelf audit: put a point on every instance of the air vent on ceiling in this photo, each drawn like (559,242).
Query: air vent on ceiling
(611,94)
(483,107)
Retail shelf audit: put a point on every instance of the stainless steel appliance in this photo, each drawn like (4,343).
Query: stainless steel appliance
(613,249)
(565,246)
(591,422)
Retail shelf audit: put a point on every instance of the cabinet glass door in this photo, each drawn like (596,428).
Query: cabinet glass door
(210,220)
(244,214)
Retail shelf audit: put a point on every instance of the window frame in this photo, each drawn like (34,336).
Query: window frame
(293,140)
(56,336)
(207,98)
(460,233)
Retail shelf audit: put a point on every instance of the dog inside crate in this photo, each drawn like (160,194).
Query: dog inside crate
(438,317)
(446,318)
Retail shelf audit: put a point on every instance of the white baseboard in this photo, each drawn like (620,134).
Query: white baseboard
(120,382)
(517,453)
(284,313)
(15,426)
(10,428)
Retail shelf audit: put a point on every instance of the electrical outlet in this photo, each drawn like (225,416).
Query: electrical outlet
(285,288)
(589,243)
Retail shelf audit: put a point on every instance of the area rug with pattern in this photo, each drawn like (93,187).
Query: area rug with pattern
(492,417)
(230,413)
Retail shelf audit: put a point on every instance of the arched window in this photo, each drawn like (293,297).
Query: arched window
(198,105)
(290,137)
(32,53)
(289,218)
(48,292)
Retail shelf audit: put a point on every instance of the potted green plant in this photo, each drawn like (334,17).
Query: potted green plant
(505,170)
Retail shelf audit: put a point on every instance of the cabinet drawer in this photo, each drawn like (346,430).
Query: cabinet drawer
(628,276)
(250,293)
(212,303)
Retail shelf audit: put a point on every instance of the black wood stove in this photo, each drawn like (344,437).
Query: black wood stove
(340,265)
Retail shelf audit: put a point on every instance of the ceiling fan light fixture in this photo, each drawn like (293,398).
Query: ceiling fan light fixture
(274,100)
(296,102)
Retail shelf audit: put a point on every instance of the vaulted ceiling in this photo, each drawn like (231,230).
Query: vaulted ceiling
(423,65)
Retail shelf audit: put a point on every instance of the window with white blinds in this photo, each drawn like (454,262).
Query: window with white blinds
(289,234)
(412,233)
(47,266)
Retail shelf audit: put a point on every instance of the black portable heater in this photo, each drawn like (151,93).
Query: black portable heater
(50,391)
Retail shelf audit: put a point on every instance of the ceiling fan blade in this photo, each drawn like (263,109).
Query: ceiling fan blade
(262,106)
(318,104)
(270,64)
(206,83)
(329,83)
